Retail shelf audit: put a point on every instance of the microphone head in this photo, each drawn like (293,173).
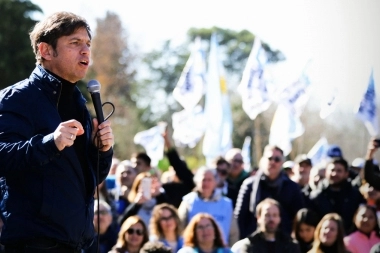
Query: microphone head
(93,86)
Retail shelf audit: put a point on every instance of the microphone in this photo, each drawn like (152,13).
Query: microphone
(93,86)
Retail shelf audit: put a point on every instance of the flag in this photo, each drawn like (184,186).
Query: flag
(190,87)
(285,127)
(253,88)
(295,96)
(246,153)
(153,143)
(367,111)
(329,103)
(318,152)
(188,127)
(218,128)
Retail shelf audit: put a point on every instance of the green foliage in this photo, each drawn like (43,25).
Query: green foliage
(17,58)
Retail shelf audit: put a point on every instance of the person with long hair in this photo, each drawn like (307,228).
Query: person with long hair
(203,235)
(165,226)
(304,225)
(132,236)
(366,231)
(141,205)
(328,236)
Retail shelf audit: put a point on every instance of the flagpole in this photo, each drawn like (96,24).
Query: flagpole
(257,138)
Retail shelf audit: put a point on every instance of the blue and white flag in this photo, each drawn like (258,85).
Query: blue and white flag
(153,143)
(190,86)
(246,153)
(253,88)
(218,128)
(188,127)
(328,103)
(295,96)
(284,129)
(318,152)
(367,111)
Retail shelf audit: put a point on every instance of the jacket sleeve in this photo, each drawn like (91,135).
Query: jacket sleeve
(20,147)
(132,209)
(234,232)
(183,213)
(180,167)
(242,213)
(370,176)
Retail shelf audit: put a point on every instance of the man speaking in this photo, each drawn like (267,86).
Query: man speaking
(50,148)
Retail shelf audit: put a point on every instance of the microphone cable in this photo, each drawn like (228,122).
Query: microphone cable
(97,170)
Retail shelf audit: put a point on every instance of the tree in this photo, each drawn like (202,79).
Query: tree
(112,67)
(17,58)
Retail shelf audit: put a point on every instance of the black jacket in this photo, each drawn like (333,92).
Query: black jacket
(43,190)
(256,243)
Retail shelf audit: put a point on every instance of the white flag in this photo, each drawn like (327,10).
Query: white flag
(212,140)
(188,127)
(367,111)
(246,153)
(190,87)
(295,96)
(284,129)
(153,143)
(318,152)
(328,104)
(253,88)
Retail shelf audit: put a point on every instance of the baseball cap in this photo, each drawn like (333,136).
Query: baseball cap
(303,159)
(358,163)
(288,165)
(334,151)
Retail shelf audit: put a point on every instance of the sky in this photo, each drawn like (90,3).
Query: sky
(340,37)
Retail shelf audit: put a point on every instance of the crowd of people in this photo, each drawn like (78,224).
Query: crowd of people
(327,207)
(54,156)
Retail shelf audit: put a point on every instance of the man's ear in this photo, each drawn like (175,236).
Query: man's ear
(46,51)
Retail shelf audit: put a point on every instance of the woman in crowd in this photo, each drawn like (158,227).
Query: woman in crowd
(132,236)
(328,236)
(206,199)
(140,204)
(203,235)
(366,232)
(304,225)
(165,226)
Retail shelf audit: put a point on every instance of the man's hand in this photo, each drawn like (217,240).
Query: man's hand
(104,135)
(66,133)
(372,147)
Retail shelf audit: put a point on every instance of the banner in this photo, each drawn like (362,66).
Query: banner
(367,111)
(318,152)
(153,143)
(253,88)
(190,87)
(246,153)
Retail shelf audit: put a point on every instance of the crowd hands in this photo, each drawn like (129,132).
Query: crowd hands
(282,206)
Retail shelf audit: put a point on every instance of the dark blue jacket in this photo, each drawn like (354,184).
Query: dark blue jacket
(288,195)
(43,189)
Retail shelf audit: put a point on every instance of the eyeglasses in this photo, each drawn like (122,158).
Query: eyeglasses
(275,159)
(132,231)
(222,172)
(200,227)
(237,161)
(166,218)
(101,212)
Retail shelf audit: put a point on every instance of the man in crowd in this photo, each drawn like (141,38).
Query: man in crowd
(335,194)
(269,182)
(268,237)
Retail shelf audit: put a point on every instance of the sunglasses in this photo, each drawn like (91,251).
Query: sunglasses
(132,231)
(166,218)
(101,212)
(222,172)
(275,159)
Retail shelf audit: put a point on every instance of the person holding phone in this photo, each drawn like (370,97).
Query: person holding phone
(146,192)
(371,175)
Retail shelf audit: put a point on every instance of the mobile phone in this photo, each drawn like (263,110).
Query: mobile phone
(377,142)
(146,186)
